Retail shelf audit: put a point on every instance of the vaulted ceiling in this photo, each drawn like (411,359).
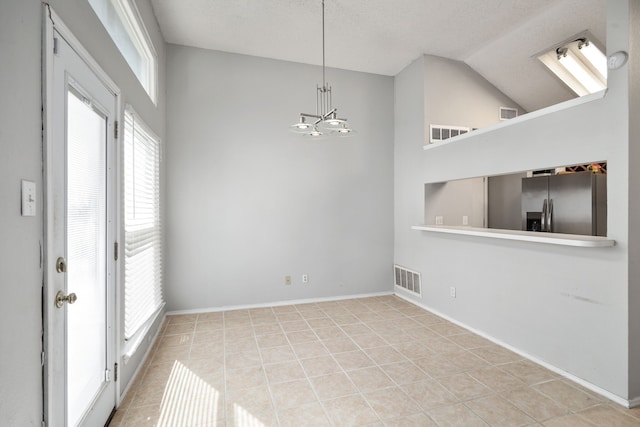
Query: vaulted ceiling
(500,39)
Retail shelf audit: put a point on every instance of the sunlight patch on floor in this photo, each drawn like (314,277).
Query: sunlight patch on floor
(188,399)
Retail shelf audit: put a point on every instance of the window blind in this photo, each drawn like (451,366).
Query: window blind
(142,227)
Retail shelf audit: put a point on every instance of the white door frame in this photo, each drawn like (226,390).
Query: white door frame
(50,21)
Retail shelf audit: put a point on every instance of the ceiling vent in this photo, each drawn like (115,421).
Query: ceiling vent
(408,280)
(508,113)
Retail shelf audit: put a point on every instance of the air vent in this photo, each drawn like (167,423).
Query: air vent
(408,279)
(440,132)
(508,113)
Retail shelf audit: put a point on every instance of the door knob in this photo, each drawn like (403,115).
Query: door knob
(61,298)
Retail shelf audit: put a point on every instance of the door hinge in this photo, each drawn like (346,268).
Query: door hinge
(44,423)
(42,358)
(107,375)
(55,45)
(115,251)
(115,129)
(115,372)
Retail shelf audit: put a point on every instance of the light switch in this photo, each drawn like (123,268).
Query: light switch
(28,198)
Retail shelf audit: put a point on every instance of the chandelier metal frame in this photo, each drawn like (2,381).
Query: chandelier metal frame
(326,119)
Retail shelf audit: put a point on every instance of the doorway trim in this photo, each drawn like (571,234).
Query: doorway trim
(51,21)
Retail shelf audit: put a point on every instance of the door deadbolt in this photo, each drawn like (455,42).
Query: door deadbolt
(61,265)
(61,298)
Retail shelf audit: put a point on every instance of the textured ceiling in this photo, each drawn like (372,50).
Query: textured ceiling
(498,38)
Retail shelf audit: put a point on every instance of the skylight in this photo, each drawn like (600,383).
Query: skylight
(580,64)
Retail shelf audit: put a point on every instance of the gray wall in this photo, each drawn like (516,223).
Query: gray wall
(634,201)
(21,158)
(249,202)
(456,95)
(408,156)
(21,237)
(454,199)
(566,306)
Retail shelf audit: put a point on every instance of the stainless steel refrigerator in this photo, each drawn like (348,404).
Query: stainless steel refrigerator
(574,203)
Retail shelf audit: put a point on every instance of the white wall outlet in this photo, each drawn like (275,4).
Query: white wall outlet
(287,280)
(28,198)
(439,220)
(465,220)
(452,291)
(305,278)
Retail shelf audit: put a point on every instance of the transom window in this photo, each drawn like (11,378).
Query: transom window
(122,20)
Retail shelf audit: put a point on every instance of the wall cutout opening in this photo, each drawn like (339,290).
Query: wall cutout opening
(568,200)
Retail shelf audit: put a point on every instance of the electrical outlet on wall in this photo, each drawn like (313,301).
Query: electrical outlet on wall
(452,291)
(305,278)
(439,220)
(465,220)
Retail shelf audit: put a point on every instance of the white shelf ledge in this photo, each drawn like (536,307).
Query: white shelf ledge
(523,236)
(523,118)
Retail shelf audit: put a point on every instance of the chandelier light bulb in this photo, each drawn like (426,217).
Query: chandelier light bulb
(343,131)
(315,133)
(301,127)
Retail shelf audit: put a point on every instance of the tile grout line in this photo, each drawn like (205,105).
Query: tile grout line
(306,375)
(396,384)
(360,392)
(360,348)
(264,371)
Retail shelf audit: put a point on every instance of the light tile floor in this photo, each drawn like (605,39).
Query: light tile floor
(377,361)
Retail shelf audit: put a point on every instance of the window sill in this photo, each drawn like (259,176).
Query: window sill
(523,236)
(132,344)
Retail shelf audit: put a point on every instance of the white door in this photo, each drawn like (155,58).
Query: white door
(80,252)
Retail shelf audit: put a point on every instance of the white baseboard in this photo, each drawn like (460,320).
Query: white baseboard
(278,303)
(634,402)
(607,394)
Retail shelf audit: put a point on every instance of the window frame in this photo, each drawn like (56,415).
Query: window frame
(133,339)
(133,24)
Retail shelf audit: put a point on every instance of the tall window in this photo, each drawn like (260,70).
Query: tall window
(142,228)
(124,24)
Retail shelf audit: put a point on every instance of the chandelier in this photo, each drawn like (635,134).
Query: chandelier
(325,121)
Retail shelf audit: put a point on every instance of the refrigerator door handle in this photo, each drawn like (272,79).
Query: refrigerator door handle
(550,217)
(543,225)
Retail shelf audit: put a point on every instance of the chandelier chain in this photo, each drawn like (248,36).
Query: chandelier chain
(324,80)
